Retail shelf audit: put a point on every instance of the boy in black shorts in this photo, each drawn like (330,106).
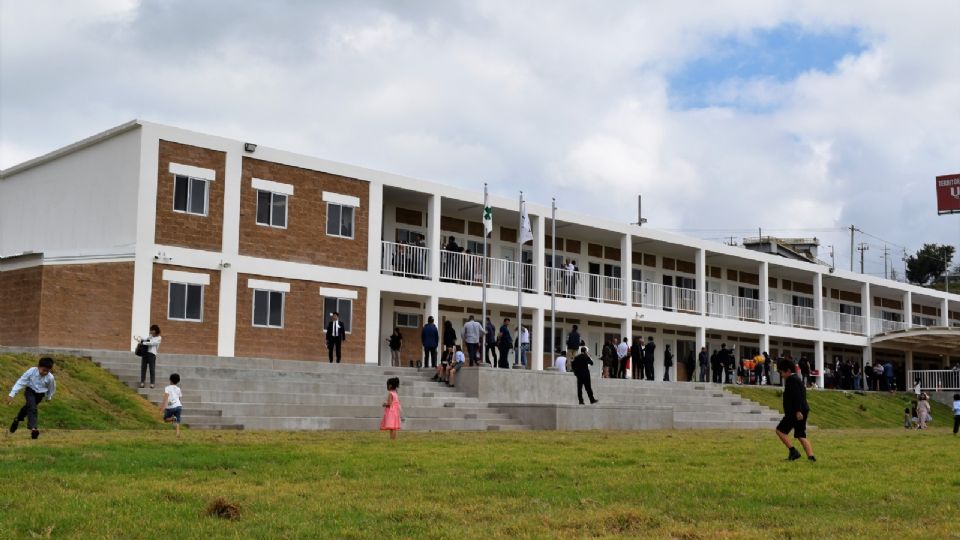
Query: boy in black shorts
(795,411)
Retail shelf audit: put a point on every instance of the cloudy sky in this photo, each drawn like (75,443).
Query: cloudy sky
(798,117)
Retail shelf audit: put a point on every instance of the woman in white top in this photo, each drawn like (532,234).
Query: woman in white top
(149,358)
(923,411)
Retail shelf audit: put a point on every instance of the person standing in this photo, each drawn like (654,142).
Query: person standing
(149,358)
(335,336)
(889,376)
(430,338)
(648,351)
(581,368)
(608,357)
(396,344)
(472,331)
(766,367)
(805,370)
(923,411)
(636,357)
(795,411)
(490,342)
(857,376)
(667,363)
(449,342)
(505,343)
(956,413)
(623,357)
(391,409)
(573,342)
(716,367)
(704,362)
(37,383)
(524,345)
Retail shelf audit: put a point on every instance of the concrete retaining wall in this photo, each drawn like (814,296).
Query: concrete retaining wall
(589,417)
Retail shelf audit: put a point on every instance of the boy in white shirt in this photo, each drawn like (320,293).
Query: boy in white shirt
(171,402)
(560,362)
(455,367)
(37,383)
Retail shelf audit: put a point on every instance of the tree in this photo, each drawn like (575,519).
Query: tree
(930,262)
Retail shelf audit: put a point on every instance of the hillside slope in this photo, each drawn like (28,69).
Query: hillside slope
(87,396)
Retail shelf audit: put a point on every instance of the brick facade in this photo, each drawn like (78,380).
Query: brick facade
(87,306)
(302,336)
(305,239)
(189,230)
(20,312)
(186,337)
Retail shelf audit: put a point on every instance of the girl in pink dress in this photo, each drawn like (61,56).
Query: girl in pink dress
(391,409)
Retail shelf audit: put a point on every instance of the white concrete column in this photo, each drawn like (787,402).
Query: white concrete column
(764,343)
(765,292)
(146,232)
(387,319)
(818,360)
(908,364)
(626,331)
(434,239)
(536,341)
(537,223)
(818,300)
(701,343)
(626,270)
(375,228)
(432,309)
(865,302)
(372,329)
(908,308)
(700,262)
(944,312)
(230,247)
(867,358)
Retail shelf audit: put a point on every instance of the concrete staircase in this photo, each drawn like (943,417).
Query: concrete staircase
(695,405)
(266,394)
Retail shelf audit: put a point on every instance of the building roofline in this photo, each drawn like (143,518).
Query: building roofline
(70,148)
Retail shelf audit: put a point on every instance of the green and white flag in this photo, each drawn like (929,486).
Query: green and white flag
(487,213)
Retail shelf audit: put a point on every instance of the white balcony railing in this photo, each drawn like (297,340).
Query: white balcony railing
(733,307)
(934,379)
(405,260)
(666,297)
(467,269)
(583,286)
(882,326)
(834,321)
(788,315)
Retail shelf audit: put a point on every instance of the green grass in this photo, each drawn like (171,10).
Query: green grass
(680,484)
(839,409)
(87,396)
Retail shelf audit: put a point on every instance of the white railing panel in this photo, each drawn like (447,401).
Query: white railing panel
(733,307)
(789,315)
(405,260)
(935,380)
(583,286)
(834,321)
(882,326)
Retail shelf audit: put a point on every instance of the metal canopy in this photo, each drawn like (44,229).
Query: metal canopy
(937,340)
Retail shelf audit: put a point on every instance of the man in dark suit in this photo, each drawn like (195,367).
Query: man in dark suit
(581,368)
(648,350)
(795,411)
(335,336)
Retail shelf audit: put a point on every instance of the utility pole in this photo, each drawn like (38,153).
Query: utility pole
(863,247)
(852,230)
(886,253)
(833,258)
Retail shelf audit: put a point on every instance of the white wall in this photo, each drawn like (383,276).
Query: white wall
(81,202)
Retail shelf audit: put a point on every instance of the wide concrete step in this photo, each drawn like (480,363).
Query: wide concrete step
(200,385)
(282,410)
(373,424)
(205,372)
(724,424)
(214,397)
(185,361)
(723,416)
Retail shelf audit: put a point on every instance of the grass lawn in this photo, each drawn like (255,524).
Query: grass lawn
(87,396)
(844,409)
(871,483)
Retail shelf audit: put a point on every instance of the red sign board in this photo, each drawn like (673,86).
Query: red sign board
(948,194)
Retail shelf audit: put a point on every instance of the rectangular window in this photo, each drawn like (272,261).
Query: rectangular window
(475,247)
(406,236)
(407,320)
(343,306)
(271,209)
(268,308)
(185,302)
(558,343)
(339,220)
(802,301)
(849,309)
(189,195)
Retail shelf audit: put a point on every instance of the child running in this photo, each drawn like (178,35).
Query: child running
(171,405)
(391,409)
(37,383)
(795,411)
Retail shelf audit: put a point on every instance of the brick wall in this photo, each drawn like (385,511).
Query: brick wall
(87,306)
(185,337)
(305,239)
(302,336)
(20,306)
(189,230)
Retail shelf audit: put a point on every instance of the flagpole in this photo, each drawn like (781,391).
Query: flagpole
(516,358)
(553,281)
(483,262)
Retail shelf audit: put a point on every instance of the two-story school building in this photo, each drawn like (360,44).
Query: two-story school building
(236,249)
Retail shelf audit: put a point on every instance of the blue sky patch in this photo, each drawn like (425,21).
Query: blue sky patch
(776,55)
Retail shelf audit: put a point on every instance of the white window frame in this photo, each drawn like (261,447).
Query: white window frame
(338,310)
(186,285)
(283,308)
(286,209)
(397,315)
(190,181)
(353,221)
